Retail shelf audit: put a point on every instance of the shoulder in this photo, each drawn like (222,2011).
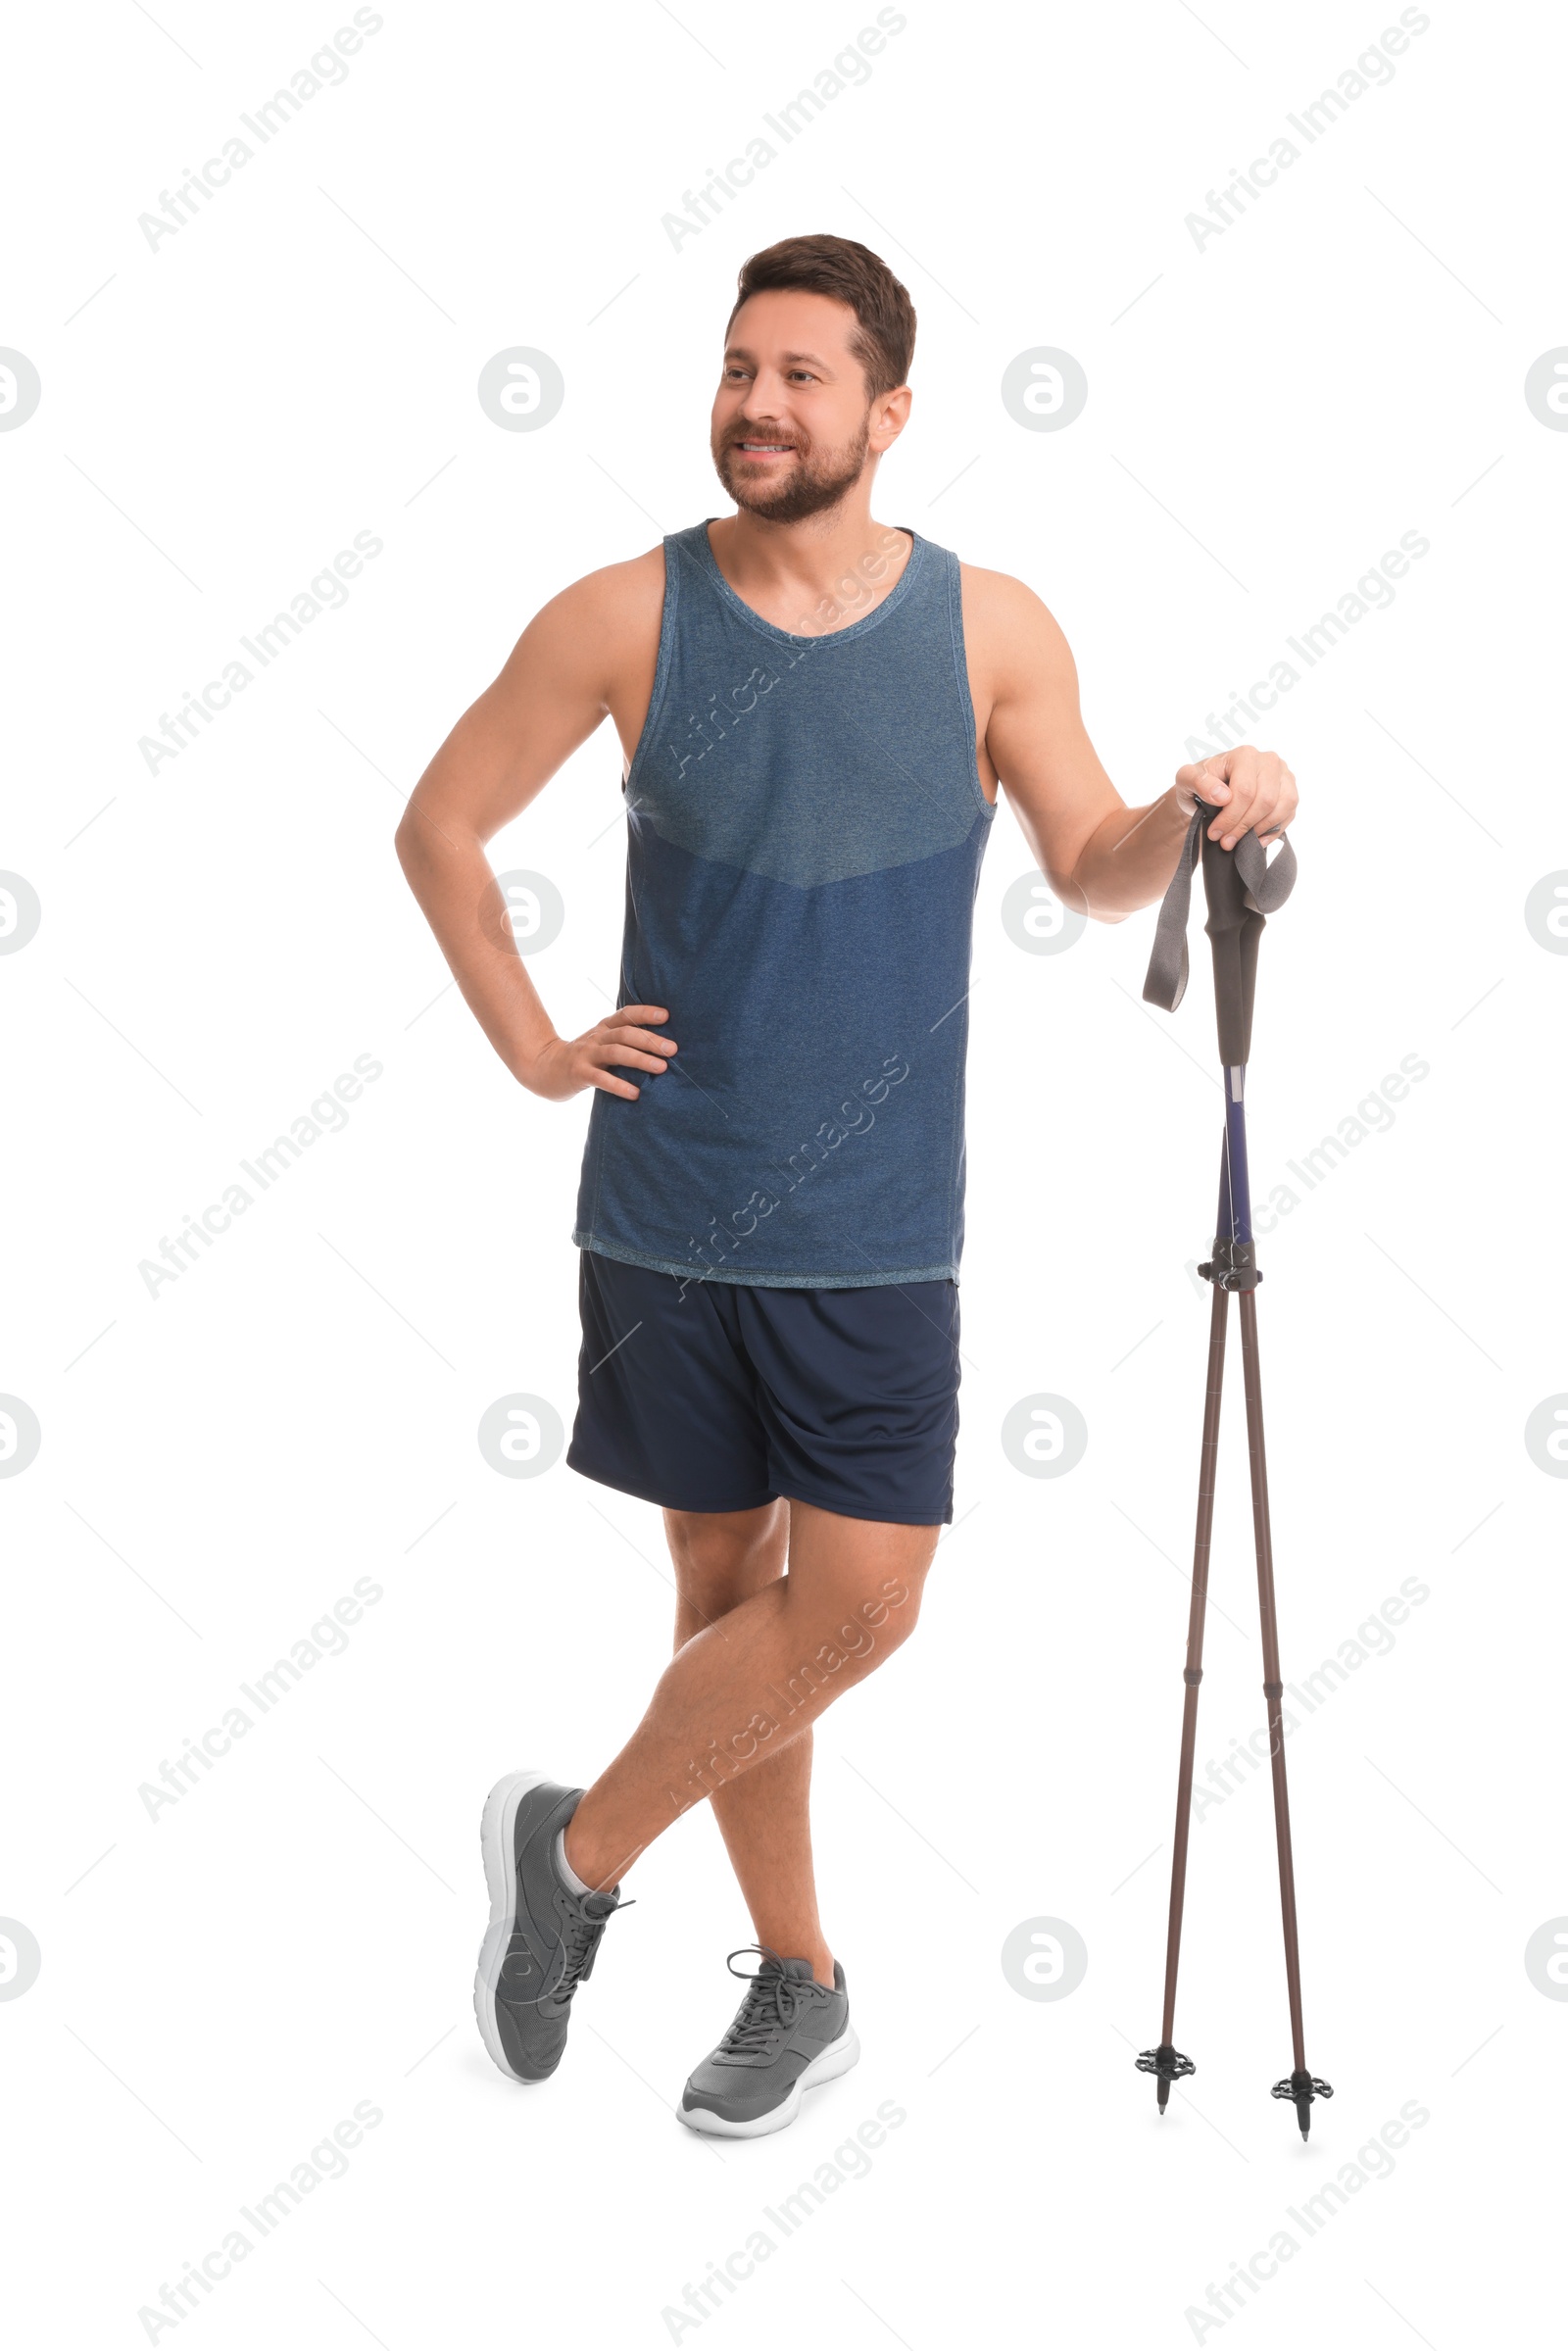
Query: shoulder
(999,602)
(1007,626)
(600,631)
(621,596)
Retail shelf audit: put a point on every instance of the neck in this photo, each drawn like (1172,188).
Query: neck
(840,557)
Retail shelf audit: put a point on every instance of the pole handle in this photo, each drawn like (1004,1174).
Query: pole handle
(1241,886)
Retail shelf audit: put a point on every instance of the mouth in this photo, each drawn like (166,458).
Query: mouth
(759,449)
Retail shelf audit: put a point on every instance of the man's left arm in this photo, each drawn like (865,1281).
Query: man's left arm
(1099,856)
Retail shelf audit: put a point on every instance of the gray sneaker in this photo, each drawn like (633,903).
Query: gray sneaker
(542,1937)
(789,2032)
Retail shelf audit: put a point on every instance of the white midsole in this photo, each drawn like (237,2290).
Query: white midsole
(837,2058)
(497,1843)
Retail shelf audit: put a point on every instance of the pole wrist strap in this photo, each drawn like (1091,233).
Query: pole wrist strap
(1267,884)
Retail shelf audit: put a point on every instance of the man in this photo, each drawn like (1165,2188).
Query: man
(816,713)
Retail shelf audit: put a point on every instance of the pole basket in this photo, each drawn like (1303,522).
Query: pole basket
(1167,2064)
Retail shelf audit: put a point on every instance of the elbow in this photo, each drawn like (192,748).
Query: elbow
(409,842)
(1070,890)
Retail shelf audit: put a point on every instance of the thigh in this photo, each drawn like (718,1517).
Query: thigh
(858,1394)
(855,1587)
(845,1561)
(720,1557)
(666,1399)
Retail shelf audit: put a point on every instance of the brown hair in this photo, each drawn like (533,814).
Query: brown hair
(848,273)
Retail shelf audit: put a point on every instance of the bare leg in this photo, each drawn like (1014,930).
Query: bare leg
(721,1559)
(735,1704)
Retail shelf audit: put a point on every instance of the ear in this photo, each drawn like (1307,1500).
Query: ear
(890,414)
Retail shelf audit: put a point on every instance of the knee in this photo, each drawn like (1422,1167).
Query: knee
(869,1626)
(903,1605)
(721,1558)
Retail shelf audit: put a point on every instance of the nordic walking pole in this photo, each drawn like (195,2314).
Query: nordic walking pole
(1168,2062)
(1241,888)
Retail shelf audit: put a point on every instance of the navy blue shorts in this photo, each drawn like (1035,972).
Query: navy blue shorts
(718,1396)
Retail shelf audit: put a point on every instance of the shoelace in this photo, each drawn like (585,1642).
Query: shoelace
(581,1936)
(772,2005)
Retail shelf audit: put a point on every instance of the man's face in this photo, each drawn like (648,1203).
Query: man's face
(792,422)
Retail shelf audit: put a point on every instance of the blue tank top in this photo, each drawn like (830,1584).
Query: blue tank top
(804,830)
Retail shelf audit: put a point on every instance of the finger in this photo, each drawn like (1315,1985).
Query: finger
(641,1039)
(1285,808)
(608,1085)
(1267,818)
(1199,778)
(653,1013)
(1211,781)
(1256,796)
(626,1057)
(1277,800)
(1243,816)
(1244,764)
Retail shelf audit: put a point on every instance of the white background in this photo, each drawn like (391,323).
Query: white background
(218,1463)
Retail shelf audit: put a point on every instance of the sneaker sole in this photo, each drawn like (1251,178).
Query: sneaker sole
(837,2058)
(497,1844)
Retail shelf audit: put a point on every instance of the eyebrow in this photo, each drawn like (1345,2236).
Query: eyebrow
(738,351)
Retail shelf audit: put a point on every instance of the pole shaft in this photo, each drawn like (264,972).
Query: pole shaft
(1237,1193)
(1217,1328)
(1251,1382)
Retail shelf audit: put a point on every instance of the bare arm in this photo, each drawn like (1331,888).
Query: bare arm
(1099,856)
(589,654)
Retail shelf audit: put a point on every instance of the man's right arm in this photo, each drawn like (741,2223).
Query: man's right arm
(590,653)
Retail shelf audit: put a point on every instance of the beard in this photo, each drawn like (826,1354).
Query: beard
(819,478)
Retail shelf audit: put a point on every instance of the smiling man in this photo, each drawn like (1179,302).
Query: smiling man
(817,713)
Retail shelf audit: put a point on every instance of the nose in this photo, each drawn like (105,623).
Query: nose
(762,398)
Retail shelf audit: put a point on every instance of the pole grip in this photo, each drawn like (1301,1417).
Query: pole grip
(1233,926)
(1241,885)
